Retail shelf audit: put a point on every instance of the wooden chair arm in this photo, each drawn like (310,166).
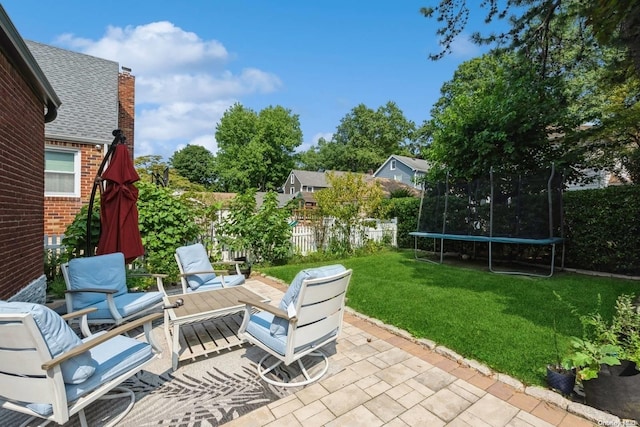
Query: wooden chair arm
(95,290)
(99,339)
(193,273)
(158,276)
(276,311)
(78,313)
(154,275)
(227,262)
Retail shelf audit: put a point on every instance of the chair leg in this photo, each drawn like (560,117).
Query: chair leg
(122,392)
(263,371)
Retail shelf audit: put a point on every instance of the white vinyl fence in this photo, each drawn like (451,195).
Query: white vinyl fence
(304,237)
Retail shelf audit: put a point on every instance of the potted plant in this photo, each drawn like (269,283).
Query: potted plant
(560,376)
(606,359)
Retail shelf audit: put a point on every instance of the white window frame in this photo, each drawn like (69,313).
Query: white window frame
(392,164)
(291,189)
(293,179)
(76,172)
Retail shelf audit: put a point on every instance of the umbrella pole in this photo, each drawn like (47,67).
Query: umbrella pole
(119,138)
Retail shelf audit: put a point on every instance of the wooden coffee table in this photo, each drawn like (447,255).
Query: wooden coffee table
(206,320)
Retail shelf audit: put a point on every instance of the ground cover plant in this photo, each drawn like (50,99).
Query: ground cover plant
(504,321)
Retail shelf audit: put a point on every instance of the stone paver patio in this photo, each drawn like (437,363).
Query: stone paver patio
(383,377)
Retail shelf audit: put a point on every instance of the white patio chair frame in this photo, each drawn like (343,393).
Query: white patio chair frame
(116,318)
(218,272)
(32,375)
(319,311)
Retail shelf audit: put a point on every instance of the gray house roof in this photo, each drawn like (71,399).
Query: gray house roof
(314,179)
(88,88)
(418,165)
(12,42)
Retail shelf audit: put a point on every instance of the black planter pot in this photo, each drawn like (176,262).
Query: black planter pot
(615,390)
(564,382)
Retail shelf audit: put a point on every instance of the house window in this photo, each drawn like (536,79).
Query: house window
(292,180)
(291,190)
(397,178)
(392,165)
(61,173)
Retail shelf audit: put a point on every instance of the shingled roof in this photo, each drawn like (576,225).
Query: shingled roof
(88,88)
(314,179)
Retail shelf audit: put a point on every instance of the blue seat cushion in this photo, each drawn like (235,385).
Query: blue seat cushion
(113,358)
(195,258)
(216,283)
(59,338)
(259,327)
(127,304)
(290,298)
(100,271)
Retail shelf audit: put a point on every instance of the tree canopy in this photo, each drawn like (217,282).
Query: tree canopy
(256,150)
(593,47)
(363,140)
(495,112)
(195,163)
(533,24)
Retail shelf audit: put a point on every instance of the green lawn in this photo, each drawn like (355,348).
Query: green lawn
(503,321)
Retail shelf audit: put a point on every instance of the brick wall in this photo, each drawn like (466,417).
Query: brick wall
(59,212)
(21,182)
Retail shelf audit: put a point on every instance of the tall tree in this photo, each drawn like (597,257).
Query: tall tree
(593,45)
(531,24)
(364,139)
(256,150)
(195,163)
(496,112)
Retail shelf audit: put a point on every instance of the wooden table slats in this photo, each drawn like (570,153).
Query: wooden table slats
(208,322)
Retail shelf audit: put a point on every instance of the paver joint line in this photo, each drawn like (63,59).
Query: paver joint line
(498,385)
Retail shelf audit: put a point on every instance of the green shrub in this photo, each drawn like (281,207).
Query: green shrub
(166,222)
(603,229)
(406,210)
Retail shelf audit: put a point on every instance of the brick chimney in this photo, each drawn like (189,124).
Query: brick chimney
(126,106)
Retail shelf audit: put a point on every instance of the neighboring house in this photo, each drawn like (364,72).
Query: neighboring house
(307,181)
(403,169)
(97,99)
(29,101)
(302,184)
(283,198)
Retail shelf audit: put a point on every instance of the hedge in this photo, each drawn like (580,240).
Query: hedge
(603,229)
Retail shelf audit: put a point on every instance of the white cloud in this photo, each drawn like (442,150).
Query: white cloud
(183,83)
(463,47)
(169,127)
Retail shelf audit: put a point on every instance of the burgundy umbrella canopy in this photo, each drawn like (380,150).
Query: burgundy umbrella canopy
(119,230)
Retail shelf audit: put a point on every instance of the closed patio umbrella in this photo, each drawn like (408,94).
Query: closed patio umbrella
(119,231)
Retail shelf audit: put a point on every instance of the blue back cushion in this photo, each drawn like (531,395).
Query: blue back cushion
(280,326)
(194,258)
(59,337)
(100,271)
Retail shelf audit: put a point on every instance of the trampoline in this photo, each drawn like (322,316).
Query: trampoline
(499,209)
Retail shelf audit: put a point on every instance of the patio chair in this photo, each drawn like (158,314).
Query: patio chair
(308,317)
(48,373)
(197,273)
(101,282)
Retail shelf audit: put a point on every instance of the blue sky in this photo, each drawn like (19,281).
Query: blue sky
(193,59)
